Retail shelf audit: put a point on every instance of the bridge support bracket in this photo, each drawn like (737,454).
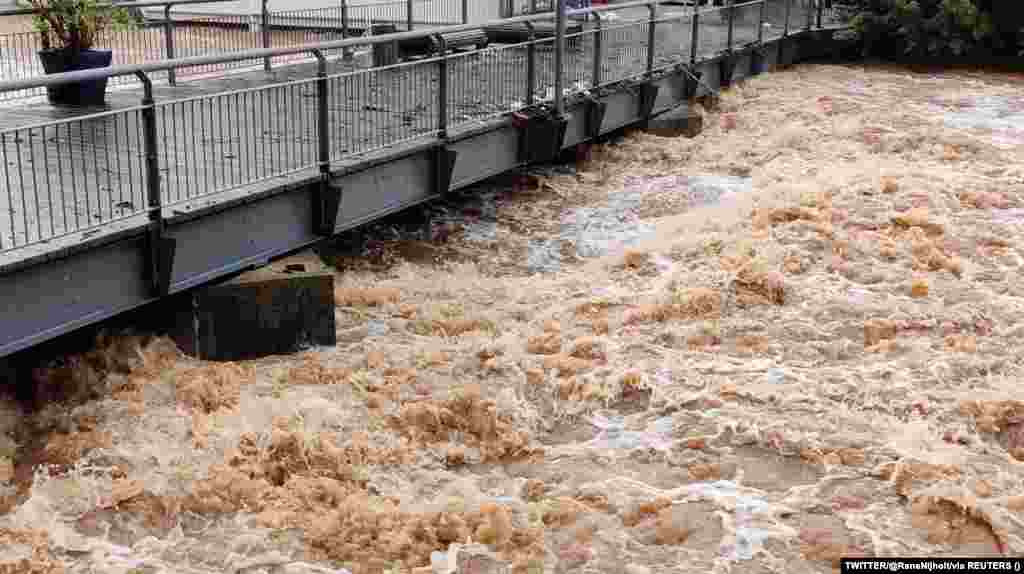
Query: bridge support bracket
(758,57)
(540,137)
(787,46)
(648,95)
(444,165)
(726,67)
(595,117)
(161,259)
(693,77)
(326,203)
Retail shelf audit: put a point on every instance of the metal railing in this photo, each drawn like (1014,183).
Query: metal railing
(71,178)
(168,29)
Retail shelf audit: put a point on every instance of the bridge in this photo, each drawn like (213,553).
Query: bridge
(176,184)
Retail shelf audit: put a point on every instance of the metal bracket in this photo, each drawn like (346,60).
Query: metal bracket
(595,117)
(541,137)
(444,165)
(648,95)
(693,77)
(758,56)
(326,204)
(726,67)
(160,250)
(785,58)
(161,259)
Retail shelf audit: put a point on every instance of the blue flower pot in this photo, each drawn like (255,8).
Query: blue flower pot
(89,93)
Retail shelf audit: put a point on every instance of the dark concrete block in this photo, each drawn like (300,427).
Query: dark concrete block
(679,122)
(260,313)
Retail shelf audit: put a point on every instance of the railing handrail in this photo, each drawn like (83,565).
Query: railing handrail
(257,53)
(144,4)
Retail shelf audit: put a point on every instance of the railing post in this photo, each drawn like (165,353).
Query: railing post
(265,32)
(160,249)
(442,87)
(760,23)
(531,62)
(694,43)
(169,42)
(598,49)
(651,22)
(345,52)
(559,54)
(326,200)
(323,133)
(821,9)
(465,11)
(408,14)
(444,157)
(785,25)
(731,12)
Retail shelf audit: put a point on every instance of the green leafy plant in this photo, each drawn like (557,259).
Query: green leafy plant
(75,25)
(946,30)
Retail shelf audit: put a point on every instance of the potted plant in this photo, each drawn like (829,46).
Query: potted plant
(68,31)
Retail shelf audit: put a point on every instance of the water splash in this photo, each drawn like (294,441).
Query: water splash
(596,231)
(1002,115)
(613,434)
(749,537)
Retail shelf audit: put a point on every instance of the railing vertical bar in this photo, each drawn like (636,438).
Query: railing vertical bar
(21,186)
(106,162)
(153,198)
(598,50)
(7,178)
(323,121)
(265,31)
(244,157)
(49,186)
(821,8)
(96,169)
(117,162)
(169,42)
(257,157)
(559,55)
(442,88)
(760,22)
(465,11)
(85,178)
(131,178)
(60,176)
(531,63)
(651,39)
(785,25)
(35,183)
(344,21)
(731,15)
(694,44)
(196,138)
